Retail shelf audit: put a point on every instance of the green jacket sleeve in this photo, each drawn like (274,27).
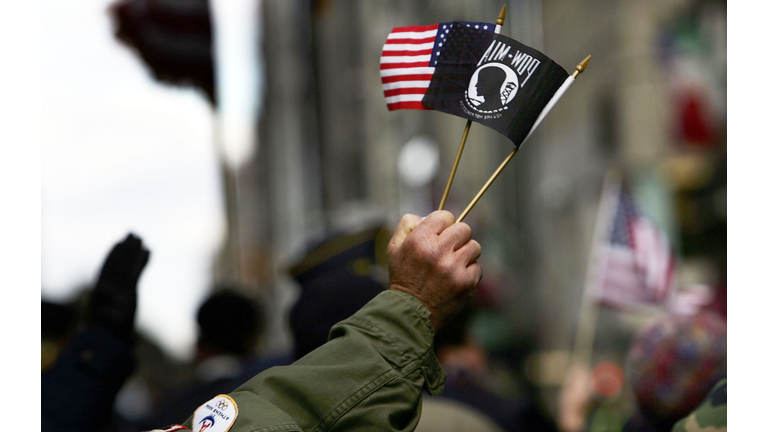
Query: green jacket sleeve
(368,376)
(711,415)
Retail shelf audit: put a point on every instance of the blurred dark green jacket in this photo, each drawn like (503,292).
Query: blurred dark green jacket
(368,376)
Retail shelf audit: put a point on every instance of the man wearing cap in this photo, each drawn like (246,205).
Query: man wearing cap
(371,373)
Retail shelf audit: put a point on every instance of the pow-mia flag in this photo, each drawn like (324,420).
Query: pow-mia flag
(493,80)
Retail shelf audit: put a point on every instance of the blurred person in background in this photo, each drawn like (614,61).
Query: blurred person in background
(230,326)
(337,276)
(676,369)
(465,363)
(78,391)
(671,367)
(57,322)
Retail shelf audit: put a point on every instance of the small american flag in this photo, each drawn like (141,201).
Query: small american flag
(634,264)
(408,62)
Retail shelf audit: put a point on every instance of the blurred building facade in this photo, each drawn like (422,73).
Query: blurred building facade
(651,104)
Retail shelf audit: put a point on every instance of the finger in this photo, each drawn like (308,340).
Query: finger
(134,247)
(407,224)
(475,270)
(470,252)
(456,235)
(437,222)
(132,239)
(144,259)
(129,247)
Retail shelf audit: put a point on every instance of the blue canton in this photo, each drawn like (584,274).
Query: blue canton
(444,29)
(625,213)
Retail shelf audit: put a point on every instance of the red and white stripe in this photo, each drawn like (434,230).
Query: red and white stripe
(621,284)
(405,66)
(626,283)
(653,255)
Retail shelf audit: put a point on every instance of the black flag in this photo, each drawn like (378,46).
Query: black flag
(493,80)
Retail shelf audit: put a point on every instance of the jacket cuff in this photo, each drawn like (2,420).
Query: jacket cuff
(404,333)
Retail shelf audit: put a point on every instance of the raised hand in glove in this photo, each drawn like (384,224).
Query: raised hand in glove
(113,303)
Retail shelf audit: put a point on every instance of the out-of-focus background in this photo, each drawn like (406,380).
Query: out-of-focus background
(232,134)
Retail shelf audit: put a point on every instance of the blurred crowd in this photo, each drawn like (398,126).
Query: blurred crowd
(667,373)
(99,374)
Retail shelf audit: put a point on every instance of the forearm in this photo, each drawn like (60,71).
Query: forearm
(370,374)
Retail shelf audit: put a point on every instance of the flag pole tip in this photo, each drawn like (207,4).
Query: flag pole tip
(582,66)
(585,62)
(502,15)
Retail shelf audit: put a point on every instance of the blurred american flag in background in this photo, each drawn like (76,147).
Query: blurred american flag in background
(633,264)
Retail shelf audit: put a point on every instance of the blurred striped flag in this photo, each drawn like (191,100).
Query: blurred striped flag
(634,264)
(408,62)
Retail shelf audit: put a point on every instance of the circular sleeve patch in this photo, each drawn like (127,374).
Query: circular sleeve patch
(216,415)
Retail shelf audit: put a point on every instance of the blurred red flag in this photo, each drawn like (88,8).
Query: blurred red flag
(173,37)
(696,125)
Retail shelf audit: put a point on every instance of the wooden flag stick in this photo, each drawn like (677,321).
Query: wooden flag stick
(579,69)
(455,165)
(499,23)
(587,320)
(487,185)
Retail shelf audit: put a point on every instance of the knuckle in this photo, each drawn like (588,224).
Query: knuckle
(410,220)
(476,247)
(419,251)
(446,266)
(465,228)
(444,217)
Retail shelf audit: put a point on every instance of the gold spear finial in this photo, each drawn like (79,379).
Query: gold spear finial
(583,65)
(502,15)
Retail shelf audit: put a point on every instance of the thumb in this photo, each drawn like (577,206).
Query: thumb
(407,224)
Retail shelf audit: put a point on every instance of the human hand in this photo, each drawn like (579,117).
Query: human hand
(113,303)
(574,399)
(434,260)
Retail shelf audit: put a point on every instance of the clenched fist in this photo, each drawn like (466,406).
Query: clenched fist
(435,260)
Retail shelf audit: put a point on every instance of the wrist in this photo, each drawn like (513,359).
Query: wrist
(434,318)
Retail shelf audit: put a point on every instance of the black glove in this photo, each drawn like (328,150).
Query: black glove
(113,303)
